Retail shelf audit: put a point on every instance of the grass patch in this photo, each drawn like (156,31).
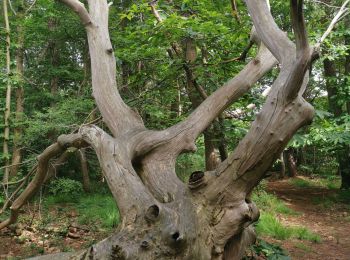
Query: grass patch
(331,182)
(270,203)
(301,183)
(269,225)
(97,210)
(342,196)
(303,247)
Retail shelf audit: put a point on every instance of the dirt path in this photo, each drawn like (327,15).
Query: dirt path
(332,222)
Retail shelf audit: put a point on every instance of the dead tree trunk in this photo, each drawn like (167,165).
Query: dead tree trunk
(211,216)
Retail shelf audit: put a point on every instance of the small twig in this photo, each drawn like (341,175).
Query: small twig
(15,164)
(11,7)
(235,10)
(323,3)
(17,190)
(155,11)
(30,7)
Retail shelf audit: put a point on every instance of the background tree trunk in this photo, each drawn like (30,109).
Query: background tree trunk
(342,153)
(6,152)
(290,162)
(18,130)
(84,169)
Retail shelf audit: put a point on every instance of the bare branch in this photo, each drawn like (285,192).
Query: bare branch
(303,53)
(269,33)
(326,4)
(235,10)
(80,10)
(155,11)
(231,91)
(11,7)
(63,142)
(343,11)
(298,24)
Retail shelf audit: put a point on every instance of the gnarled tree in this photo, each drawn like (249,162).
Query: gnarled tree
(211,216)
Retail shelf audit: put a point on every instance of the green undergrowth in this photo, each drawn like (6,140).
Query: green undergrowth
(99,210)
(270,225)
(303,247)
(270,203)
(331,200)
(330,182)
(264,250)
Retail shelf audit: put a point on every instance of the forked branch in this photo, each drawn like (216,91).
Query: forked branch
(273,37)
(79,8)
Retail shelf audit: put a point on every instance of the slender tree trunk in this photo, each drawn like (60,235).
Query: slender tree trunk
(290,162)
(330,73)
(18,130)
(211,158)
(6,152)
(283,166)
(54,55)
(84,170)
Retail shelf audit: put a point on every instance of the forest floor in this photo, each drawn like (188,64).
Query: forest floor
(61,227)
(320,210)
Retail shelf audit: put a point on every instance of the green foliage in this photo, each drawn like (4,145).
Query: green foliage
(269,251)
(331,200)
(270,203)
(329,182)
(2,199)
(65,190)
(301,183)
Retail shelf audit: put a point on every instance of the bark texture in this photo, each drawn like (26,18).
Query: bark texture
(17,153)
(210,217)
(8,98)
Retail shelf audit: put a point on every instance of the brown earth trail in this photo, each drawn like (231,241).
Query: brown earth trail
(331,221)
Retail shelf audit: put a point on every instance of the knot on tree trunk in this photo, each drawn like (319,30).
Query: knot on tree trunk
(197,180)
(231,221)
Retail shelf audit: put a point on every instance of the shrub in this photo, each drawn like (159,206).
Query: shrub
(65,190)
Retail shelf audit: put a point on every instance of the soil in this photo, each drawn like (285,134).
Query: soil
(58,231)
(329,220)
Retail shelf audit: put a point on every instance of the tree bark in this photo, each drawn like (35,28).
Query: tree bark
(290,162)
(6,152)
(18,130)
(211,216)
(283,166)
(84,170)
